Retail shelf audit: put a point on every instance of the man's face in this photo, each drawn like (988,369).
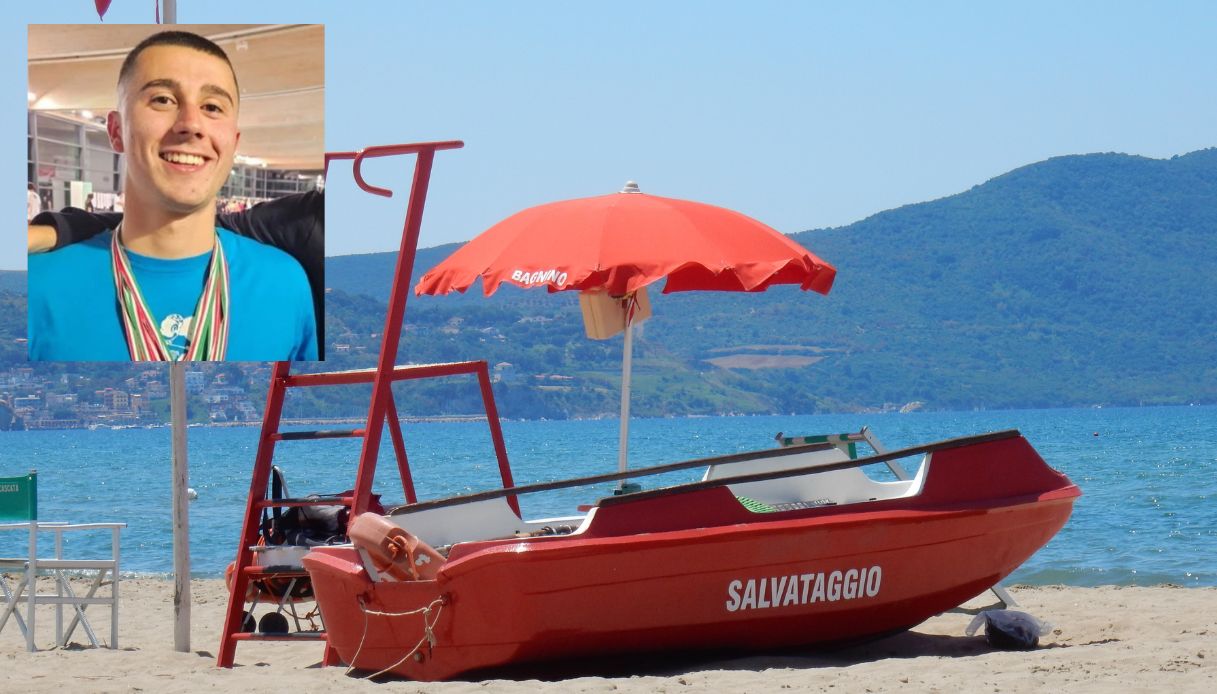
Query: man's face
(177,125)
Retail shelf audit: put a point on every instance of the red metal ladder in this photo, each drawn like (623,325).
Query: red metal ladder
(381,409)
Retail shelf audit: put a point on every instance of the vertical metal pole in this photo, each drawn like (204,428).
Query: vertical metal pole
(116,550)
(170,15)
(32,585)
(58,590)
(399,448)
(496,434)
(623,440)
(181,510)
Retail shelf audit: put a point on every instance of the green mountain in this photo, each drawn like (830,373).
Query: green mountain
(1075,281)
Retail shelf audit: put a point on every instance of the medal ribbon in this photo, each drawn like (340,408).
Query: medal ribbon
(208,329)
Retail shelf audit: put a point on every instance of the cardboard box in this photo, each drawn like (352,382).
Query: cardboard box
(604,315)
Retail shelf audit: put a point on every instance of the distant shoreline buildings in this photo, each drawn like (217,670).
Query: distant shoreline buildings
(31,400)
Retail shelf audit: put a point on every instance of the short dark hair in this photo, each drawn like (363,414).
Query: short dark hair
(175,38)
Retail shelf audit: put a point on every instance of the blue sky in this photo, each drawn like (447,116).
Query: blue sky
(801,114)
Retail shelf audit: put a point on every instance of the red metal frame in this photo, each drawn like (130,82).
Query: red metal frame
(382,389)
(399,452)
(381,407)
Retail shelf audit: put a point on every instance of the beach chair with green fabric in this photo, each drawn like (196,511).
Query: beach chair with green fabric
(19,575)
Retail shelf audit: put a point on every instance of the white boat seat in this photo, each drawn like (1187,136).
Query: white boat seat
(813,489)
(478,520)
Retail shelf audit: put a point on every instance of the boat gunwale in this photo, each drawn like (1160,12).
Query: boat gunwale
(793,521)
(944,444)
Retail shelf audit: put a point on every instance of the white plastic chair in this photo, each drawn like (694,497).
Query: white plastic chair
(19,575)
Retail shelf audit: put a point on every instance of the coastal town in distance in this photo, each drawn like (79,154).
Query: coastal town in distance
(33,399)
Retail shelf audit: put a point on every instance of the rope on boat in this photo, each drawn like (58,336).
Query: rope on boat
(428,631)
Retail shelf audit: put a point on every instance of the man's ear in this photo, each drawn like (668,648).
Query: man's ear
(114,128)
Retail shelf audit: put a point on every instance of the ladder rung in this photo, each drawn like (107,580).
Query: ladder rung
(318,501)
(322,434)
(290,636)
(257,571)
(401,372)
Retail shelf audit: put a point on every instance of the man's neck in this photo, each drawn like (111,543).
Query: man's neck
(169,236)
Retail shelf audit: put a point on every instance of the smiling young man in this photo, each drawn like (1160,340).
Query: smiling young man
(167,283)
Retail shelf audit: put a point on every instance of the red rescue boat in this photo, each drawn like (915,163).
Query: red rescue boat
(797,545)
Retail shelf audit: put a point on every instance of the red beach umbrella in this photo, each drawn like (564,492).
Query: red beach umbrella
(620,243)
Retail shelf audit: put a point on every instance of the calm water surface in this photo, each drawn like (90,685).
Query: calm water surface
(1148,475)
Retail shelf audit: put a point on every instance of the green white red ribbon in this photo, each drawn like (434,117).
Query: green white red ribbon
(208,328)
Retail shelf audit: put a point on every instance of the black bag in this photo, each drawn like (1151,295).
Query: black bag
(307,526)
(1010,630)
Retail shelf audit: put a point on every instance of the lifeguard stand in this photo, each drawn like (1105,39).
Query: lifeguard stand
(381,409)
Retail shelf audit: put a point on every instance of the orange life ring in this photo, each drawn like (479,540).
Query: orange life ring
(393,550)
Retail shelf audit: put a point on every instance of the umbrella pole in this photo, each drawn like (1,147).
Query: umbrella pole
(626,366)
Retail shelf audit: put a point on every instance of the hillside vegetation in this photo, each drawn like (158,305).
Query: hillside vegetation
(1081,280)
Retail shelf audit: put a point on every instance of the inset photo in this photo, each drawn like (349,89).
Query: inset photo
(175,200)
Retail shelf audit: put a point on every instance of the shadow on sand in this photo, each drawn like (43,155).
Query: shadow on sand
(908,644)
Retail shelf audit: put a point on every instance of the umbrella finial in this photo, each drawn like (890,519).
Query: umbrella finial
(630,187)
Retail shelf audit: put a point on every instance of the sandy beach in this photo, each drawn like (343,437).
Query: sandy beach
(1105,639)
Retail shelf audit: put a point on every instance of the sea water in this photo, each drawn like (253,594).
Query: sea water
(1148,513)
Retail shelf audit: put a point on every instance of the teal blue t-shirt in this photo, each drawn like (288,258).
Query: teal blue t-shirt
(74,312)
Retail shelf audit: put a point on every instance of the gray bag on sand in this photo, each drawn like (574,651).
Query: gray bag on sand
(1010,630)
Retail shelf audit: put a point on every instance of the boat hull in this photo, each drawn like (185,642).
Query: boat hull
(687,571)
